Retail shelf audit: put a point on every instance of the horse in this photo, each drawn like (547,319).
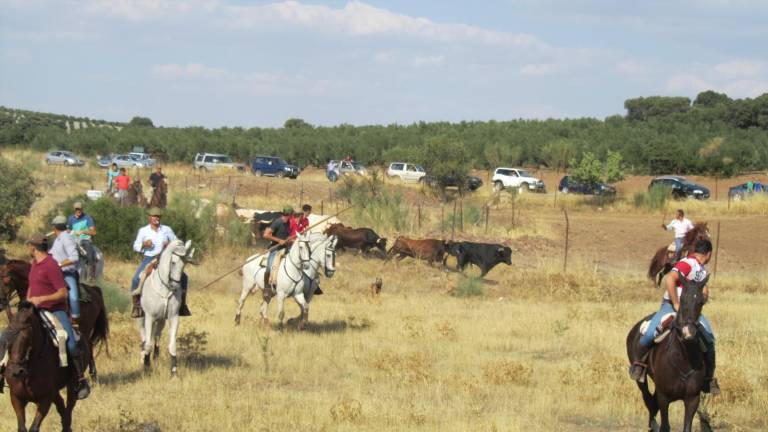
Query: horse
(134,196)
(161,299)
(94,321)
(33,373)
(159,197)
(87,270)
(675,364)
(662,262)
(297,275)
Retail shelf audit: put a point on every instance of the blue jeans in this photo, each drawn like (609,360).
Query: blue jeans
(678,247)
(137,276)
(270,259)
(64,320)
(666,307)
(74,294)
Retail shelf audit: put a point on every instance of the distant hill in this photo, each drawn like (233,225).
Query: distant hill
(31,119)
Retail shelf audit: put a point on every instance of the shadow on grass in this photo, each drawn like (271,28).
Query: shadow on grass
(115,379)
(326,327)
(203,362)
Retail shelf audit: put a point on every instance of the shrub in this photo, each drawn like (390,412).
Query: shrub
(375,206)
(470,286)
(115,299)
(17,195)
(658,197)
(189,222)
(639,199)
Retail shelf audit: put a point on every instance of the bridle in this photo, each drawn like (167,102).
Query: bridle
(307,262)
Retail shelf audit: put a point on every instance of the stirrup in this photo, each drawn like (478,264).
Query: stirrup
(711,386)
(637,371)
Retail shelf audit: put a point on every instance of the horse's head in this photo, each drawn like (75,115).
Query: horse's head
(175,256)
(691,302)
(21,337)
(330,256)
(700,231)
(316,248)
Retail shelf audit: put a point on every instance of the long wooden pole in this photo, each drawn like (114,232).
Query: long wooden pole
(717,248)
(567,234)
(270,250)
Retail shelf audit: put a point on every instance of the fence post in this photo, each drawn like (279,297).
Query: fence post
(266,188)
(234,193)
(554,203)
(442,218)
(717,248)
(567,234)
(419,215)
(487,215)
(461,215)
(453,221)
(729,201)
(716,177)
(514,198)
(301,195)
(322,208)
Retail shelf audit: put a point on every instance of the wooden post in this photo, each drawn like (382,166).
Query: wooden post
(234,193)
(487,216)
(453,221)
(554,203)
(567,234)
(322,208)
(717,248)
(418,209)
(716,194)
(301,195)
(729,201)
(442,218)
(514,198)
(461,215)
(266,189)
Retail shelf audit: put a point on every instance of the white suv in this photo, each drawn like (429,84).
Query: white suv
(406,171)
(212,161)
(516,178)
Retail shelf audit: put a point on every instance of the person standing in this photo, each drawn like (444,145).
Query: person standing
(64,251)
(300,221)
(112,172)
(123,182)
(156,177)
(48,292)
(82,228)
(150,242)
(680,225)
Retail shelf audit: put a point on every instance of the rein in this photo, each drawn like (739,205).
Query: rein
(682,375)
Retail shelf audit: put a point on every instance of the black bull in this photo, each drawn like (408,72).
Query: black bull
(484,255)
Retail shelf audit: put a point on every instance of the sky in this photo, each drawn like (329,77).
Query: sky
(240,63)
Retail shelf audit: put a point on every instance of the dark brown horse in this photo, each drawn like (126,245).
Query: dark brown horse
(159,195)
(134,196)
(663,261)
(676,364)
(33,373)
(94,323)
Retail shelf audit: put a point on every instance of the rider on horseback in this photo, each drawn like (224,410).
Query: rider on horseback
(279,235)
(81,226)
(692,268)
(680,225)
(64,251)
(48,291)
(150,241)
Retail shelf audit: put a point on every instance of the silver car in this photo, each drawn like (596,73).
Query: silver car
(127,161)
(144,158)
(60,157)
(213,161)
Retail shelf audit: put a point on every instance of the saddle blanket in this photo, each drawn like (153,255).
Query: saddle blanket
(660,332)
(57,333)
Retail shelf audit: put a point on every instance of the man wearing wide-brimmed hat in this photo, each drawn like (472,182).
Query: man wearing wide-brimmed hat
(64,251)
(48,291)
(150,242)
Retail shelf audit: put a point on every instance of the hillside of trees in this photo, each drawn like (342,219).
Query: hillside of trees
(714,134)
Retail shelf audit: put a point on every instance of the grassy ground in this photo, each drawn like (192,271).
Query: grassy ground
(538,350)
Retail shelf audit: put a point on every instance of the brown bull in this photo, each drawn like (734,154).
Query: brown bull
(363,239)
(427,249)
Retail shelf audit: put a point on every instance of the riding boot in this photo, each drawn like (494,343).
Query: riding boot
(83,388)
(710,382)
(640,357)
(137,311)
(184,309)
(318,291)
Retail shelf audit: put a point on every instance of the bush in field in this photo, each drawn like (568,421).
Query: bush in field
(375,206)
(189,221)
(470,286)
(658,196)
(17,194)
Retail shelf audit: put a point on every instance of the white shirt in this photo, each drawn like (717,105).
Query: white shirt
(163,234)
(689,268)
(65,248)
(680,227)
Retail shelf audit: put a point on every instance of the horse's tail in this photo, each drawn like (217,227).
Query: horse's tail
(100,332)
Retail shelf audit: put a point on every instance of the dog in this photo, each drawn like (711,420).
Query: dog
(376,287)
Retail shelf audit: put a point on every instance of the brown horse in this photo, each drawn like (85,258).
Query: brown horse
(159,195)
(94,323)
(33,373)
(662,262)
(134,196)
(675,364)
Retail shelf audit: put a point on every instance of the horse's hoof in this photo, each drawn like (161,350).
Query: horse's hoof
(146,361)
(237,319)
(265,322)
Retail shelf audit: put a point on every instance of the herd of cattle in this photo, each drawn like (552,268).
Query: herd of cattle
(483,255)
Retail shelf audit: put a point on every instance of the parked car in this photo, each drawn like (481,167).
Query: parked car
(213,161)
(145,159)
(516,178)
(680,187)
(273,166)
(61,157)
(570,185)
(472,183)
(742,191)
(407,172)
(126,161)
(346,168)
(104,161)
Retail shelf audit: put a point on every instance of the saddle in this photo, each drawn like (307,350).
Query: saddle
(662,331)
(57,334)
(272,271)
(144,276)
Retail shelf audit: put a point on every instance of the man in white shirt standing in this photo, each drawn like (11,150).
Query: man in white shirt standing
(150,242)
(680,225)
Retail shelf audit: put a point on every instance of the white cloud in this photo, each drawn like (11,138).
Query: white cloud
(426,61)
(740,68)
(739,79)
(190,70)
(633,67)
(537,69)
(687,83)
(146,10)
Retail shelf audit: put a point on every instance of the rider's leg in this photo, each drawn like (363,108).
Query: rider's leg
(678,248)
(270,260)
(74,295)
(136,312)
(76,354)
(183,308)
(710,385)
(90,257)
(636,371)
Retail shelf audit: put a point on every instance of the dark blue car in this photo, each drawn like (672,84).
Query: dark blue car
(742,191)
(273,166)
(569,185)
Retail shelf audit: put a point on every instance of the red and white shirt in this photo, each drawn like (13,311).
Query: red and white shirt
(689,268)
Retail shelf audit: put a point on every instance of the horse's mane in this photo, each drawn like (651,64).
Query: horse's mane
(699,230)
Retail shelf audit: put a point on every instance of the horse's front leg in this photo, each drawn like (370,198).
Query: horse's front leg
(280,308)
(248,286)
(148,339)
(173,328)
(42,410)
(691,405)
(66,421)
(20,408)
(664,409)
(304,305)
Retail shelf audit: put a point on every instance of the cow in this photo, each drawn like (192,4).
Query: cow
(262,220)
(364,239)
(427,249)
(483,255)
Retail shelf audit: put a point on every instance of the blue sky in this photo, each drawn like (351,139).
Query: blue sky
(256,63)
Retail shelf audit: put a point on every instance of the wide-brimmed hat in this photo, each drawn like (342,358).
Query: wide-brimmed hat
(155,211)
(287,210)
(59,220)
(78,205)
(37,239)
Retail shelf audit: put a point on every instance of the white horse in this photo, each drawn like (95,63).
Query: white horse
(297,275)
(161,298)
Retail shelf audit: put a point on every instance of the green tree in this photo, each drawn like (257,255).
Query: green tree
(17,194)
(710,99)
(588,169)
(296,123)
(644,108)
(447,157)
(613,169)
(141,122)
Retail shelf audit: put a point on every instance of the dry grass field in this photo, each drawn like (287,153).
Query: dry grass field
(540,349)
